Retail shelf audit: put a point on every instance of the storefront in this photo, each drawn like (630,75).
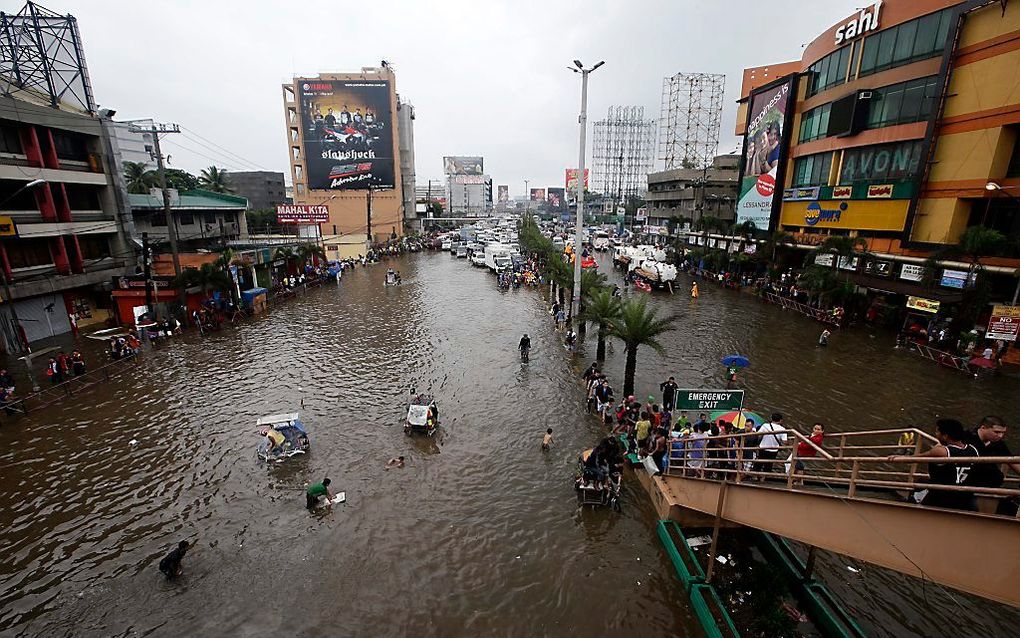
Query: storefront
(846,214)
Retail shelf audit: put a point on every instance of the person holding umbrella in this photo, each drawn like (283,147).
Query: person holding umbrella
(734,363)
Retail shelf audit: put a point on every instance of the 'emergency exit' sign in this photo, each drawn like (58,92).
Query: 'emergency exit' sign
(687,399)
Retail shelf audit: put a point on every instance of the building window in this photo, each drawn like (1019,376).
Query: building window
(209,217)
(158,218)
(814,123)
(830,71)
(15,197)
(70,146)
(82,197)
(812,170)
(94,246)
(902,103)
(1014,161)
(10,141)
(918,39)
(881,163)
(26,253)
(185,218)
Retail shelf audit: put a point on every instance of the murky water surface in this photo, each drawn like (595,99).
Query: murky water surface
(478,535)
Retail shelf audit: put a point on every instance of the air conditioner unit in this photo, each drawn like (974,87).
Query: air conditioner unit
(864,95)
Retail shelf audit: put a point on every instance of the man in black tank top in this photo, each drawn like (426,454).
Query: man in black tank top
(949,433)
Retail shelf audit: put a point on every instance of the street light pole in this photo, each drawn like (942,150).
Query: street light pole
(575,302)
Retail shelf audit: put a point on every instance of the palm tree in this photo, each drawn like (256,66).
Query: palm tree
(845,247)
(776,239)
(638,326)
(308,250)
(601,309)
(980,241)
(215,179)
(139,178)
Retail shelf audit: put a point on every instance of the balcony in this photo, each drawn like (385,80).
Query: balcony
(54,175)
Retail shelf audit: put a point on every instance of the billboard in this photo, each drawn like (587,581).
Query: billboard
(503,193)
(537,194)
(301,214)
(348,131)
(571,179)
(463,165)
(556,197)
(765,142)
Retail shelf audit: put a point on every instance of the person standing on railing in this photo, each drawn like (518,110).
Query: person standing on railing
(988,439)
(949,433)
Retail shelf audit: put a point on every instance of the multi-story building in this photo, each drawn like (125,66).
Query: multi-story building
(902,130)
(688,194)
(343,150)
(132,146)
(204,220)
(468,195)
(262,189)
(63,237)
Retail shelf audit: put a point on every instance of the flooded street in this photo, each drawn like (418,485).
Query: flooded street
(480,534)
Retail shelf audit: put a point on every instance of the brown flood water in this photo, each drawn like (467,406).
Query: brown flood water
(479,535)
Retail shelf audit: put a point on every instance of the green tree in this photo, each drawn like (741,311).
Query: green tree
(207,277)
(215,179)
(602,308)
(180,179)
(638,325)
(262,220)
(139,179)
(980,241)
(308,250)
(775,239)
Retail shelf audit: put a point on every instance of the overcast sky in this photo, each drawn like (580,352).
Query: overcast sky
(486,77)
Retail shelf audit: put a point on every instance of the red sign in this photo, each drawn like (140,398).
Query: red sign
(766,185)
(879,190)
(302,214)
(842,192)
(1004,323)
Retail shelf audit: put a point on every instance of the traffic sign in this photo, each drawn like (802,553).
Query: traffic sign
(1004,323)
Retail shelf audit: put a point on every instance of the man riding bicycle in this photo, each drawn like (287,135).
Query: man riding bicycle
(524,346)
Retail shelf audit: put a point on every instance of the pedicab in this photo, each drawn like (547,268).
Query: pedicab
(422,416)
(283,435)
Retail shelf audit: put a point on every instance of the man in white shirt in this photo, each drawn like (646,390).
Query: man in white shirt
(773,436)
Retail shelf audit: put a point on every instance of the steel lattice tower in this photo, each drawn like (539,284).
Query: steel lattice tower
(690,119)
(624,152)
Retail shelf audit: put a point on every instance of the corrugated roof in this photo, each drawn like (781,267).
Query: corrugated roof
(207,200)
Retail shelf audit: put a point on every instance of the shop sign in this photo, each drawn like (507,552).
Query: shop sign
(878,268)
(301,213)
(955,279)
(798,194)
(824,259)
(7,227)
(912,272)
(1004,323)
(711,243)
(641,214)
(842,192)
(880,191)
(138,282)
(688,399)
(815,213)
(721,245)
(866,20)
(751,249)
(923,305)
(848,263)
(808,239)
(279,262)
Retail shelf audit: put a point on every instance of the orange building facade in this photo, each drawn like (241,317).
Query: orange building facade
(904,132)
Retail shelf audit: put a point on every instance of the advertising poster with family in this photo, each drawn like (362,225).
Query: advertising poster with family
(763,155)
(348,131)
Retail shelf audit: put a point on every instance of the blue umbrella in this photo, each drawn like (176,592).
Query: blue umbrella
(738,360)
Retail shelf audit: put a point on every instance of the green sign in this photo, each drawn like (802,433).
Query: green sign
(687,399)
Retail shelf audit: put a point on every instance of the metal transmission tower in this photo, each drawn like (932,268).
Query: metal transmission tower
(689,122)
(624,152)
(41,51)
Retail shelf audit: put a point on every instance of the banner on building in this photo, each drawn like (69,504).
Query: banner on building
(348,132)
(571,179)
(1004,323)
(556,197)
(765,142)
(912,272)
(923,305)
(302,214)
(537,194)
(463,165)
(503,193)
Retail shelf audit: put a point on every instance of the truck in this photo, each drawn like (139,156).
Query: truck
(497,257)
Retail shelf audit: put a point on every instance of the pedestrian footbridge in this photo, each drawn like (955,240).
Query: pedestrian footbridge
(853,501)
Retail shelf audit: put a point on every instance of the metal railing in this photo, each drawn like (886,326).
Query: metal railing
(854,462)
(73,386)
(942,357)
(818,314)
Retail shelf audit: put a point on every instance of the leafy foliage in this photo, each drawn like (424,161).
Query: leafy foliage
(638,325)
(215,179)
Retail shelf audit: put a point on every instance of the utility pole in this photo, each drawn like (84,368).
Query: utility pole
(368,215)
(171,223)
(527,196)
(147,270)
(575,302)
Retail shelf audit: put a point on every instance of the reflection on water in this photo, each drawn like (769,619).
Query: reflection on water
(480,533)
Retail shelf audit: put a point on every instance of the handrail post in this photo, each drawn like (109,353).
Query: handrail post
(839,454)
(913,466)
(853,479)
(793,467)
